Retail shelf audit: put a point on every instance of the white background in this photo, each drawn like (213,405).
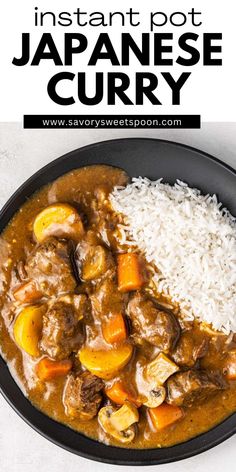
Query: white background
(21,154)
(209,90)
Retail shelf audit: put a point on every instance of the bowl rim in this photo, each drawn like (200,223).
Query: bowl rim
(137,457)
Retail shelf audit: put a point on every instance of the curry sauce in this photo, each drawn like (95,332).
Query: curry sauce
(106,352)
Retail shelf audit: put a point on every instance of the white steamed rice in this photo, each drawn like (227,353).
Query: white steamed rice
(190,239)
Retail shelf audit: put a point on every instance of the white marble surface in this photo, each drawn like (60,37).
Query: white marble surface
(21,154)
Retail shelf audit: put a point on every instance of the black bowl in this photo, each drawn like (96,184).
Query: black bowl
(154,159)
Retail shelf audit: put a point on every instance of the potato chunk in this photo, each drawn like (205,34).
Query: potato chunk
(28,328)
(105,364)
(60,220)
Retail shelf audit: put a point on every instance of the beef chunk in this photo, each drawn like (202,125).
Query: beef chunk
(189,349)
(192,387)
(50,267)
(82,396)
(153,325)
(62,331)
(107,299)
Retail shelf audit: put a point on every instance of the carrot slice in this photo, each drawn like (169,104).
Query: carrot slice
(114,330)
(48,369)
(118,394)
(27,293)
(164,415)
(130,275)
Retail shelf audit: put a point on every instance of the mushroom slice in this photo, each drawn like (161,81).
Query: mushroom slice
(96,263)
(156,397)
(124,417)
(160,369)
(111,424)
